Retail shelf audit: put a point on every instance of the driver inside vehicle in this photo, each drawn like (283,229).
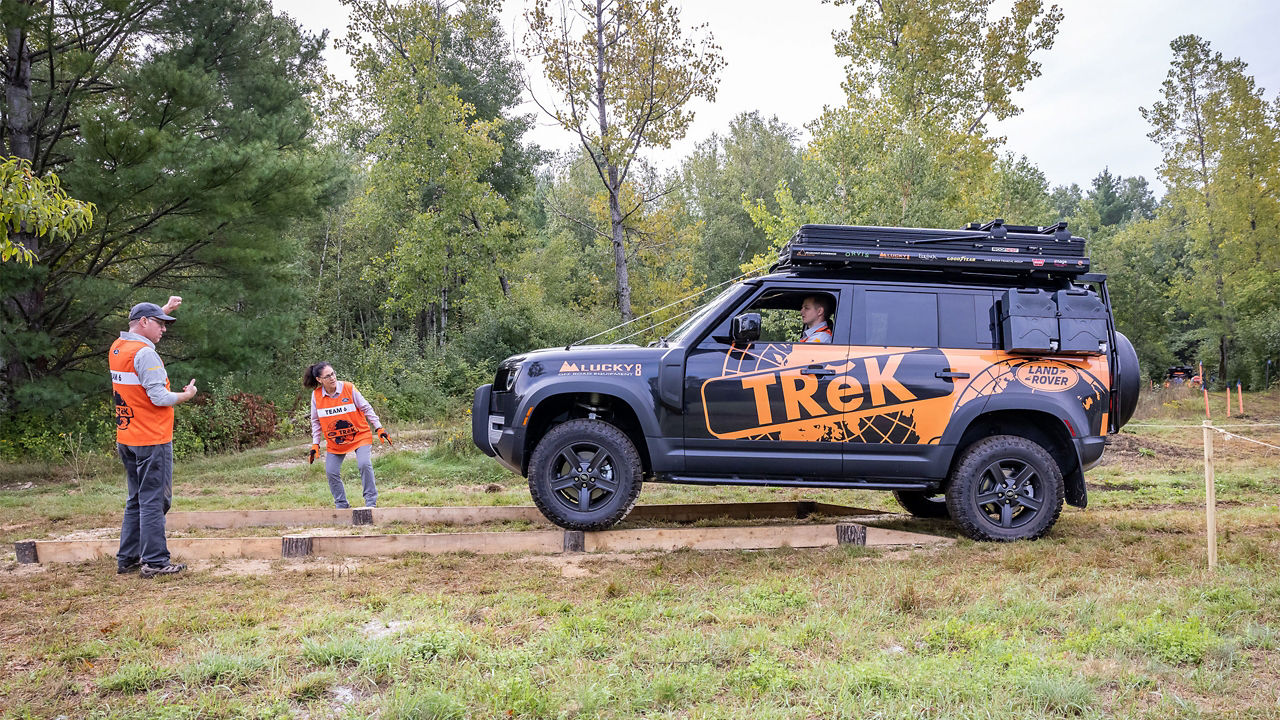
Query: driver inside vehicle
(815,313)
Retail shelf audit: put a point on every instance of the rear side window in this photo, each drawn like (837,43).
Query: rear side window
(923,318)
(968,320)
(901,319)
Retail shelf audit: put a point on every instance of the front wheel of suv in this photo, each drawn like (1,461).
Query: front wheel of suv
(585,475)
(1005,488)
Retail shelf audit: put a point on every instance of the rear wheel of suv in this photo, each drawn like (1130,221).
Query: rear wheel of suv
(585,475)
(923,504)
(1005,488)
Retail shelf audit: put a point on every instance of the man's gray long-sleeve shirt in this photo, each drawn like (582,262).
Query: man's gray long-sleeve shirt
(150,371)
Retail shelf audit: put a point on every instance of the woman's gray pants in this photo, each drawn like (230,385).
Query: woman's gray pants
(333,469)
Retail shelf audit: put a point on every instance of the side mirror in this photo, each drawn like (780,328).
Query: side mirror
(745,328)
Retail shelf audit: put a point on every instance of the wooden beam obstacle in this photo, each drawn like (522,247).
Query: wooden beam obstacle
(538,541)
(477,515)
(486,543)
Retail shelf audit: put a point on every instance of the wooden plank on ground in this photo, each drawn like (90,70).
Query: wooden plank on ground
(732,538)
(548,541)
(891,538)
(474,515)
(742,538)
(257,518)
(64,551)
(461,515)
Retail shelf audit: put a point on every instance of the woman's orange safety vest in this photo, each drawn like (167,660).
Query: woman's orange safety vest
(138,420)
(344,427)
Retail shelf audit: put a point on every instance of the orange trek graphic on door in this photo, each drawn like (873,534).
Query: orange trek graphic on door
(879,395)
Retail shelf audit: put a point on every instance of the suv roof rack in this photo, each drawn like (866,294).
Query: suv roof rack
(991,247)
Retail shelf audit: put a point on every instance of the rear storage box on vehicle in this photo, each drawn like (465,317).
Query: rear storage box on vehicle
(1082,322)
(1029,321)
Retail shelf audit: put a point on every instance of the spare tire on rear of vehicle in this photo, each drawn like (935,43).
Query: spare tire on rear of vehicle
(1128,380)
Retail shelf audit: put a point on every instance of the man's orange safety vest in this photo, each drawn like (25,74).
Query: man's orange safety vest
(138,420)
(822,335)
(345,428)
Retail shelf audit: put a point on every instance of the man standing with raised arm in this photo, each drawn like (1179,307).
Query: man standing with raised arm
(144,438)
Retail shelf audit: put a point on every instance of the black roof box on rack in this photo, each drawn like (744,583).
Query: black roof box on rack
(988,248)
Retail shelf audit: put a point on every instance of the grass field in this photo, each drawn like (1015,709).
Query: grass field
(1113,615)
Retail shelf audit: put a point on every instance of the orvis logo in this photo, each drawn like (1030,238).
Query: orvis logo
(761,402)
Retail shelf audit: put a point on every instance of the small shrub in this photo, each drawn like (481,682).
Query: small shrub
(772,601)
(422,704)
(336,651)
(1059,695)
(221,669)
(1183,642)
(312,686)
(958,635)
(133,678)
(762,674)
(223,421)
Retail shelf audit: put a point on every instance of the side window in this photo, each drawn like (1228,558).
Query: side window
(968,321)
(781,317)
(900,319)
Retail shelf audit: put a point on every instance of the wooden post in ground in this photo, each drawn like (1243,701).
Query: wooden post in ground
(851,534)
(1240,395)
(292,546)
(1210,496)
(26,551)
(362,516)
(575,541)
(1228,399)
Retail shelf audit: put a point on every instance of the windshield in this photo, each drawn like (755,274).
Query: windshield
(678,334)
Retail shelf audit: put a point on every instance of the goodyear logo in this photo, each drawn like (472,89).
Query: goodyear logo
(762,402)
(1052,377)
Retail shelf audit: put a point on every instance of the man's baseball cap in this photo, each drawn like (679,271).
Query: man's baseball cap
(150,310)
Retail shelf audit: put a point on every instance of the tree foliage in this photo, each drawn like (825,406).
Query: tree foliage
(943,62)
(1221,144)
(623,81)
(38,206)
(189,126)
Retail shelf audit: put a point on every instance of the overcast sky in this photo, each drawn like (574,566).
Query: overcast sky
(1080,115)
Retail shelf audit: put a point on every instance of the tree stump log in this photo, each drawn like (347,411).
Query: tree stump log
(293,546)
(851,534)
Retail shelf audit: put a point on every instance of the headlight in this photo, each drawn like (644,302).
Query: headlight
(512,373)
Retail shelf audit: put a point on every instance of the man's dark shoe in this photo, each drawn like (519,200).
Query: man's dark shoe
(126,569)
(150,571)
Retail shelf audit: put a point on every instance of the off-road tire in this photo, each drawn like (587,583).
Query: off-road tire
(616,476)
(1022,503)
(923,504)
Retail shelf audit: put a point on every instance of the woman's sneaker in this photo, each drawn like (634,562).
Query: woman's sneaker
(150,571)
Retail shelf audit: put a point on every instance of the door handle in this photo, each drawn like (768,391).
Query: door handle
(948,374)
(818,370)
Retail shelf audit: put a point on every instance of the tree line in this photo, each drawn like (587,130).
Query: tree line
(402,227)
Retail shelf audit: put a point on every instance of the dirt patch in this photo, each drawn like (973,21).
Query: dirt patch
(487,488)
(285,464)
(236,566)
(1142,448)
(577,566)
(22,570)
(94,534)
(1112,486)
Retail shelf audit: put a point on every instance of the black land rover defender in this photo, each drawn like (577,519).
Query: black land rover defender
(976,373)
